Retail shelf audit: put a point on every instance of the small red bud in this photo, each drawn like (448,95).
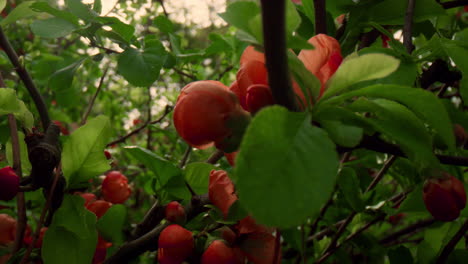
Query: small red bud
(175,245)
(115,187)
(107,154)
(444,197)
(99,207)
(217,253)
(227,234)
(9,183)
(460,134)
(175,212)
(7,229)
(258,96)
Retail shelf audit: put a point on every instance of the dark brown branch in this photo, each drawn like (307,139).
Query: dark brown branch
(408,27)
(320,17)
(454,4)
(27,80)
(93,99)
(217,155)
(452,243)
(439,72)
(416,226)
(154,215)
(167,110)
(149,241)
(274,36)
(368,38)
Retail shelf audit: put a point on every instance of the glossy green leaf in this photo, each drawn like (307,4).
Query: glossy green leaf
(294,187)
(388,117)
(142,68)
(360,68)
(63,14)
(163,169)
(423,103)
(164,24)
(2,5)
(123,30)
(239,14)
(342,134)
(391,12)
(197,174)
(111,224)
(81,10)
(83,153)
(61,84)
(8,101)
(52,28)
(309,84)
(72,236)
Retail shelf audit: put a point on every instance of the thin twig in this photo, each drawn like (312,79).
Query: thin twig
(188,75)
(167,110)
(182,163)
(453,4)
(452,243)
(27,80)
(418,225)
(381,173)
(93,99)
(408,27)
(274,35)
(320,17)
(45,209)
(217,155)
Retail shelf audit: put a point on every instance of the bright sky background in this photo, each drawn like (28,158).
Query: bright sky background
(201,13)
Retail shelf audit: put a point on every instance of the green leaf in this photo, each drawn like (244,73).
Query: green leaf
(391,12)
(358,69)
(111,224)
(25,164)
(197,176)
(2,5)
(52,28)
(97,6)
(24,116)
(123,30)
(65,15)
(164,24)
(414,202)
(341,134)
(423,103)
(308,83)
(72,236)
(21,11)
(293,20)
(81,10)
(400,255)
(348,183)
(388,117)
(142,68)
(61,83)
(83,153)
(459,55)
(8,101)
(286,168)
(239,14)
(163,169)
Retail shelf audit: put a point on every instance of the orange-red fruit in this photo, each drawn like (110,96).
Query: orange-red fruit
(221,191)
(218,253)
(175,245)
(89,198)
(7,229)
(175,212)
(444,197)
(9,183)
(99,207)
(204,112)
(115,188)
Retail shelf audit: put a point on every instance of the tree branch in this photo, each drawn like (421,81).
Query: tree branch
(454,4)
(408,27)
(27,80)
(452,243)
(93,99)
(274,35)
(320,17)
(418,225)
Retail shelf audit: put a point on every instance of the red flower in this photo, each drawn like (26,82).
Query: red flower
(175,212)
(444,197)
(7,229)
(206,112)
(218,252)
(99,207)
(221,191)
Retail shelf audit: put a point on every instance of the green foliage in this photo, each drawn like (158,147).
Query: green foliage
(286,183)
(111,224)
(72,236)
(83,153)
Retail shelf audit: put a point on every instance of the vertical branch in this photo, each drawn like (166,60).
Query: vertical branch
(452,243)
(27,80)
(93,99)
(274,35)
(408,27)
(320,17)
